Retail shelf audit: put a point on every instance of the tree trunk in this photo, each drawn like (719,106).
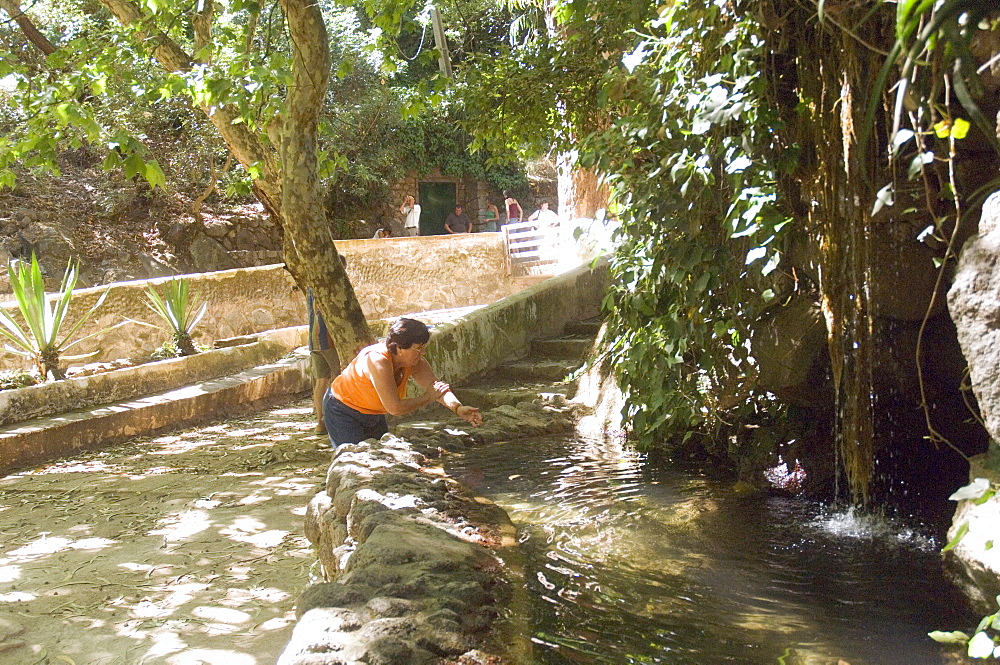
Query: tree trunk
(309,250)
(288,186)
(581,192)
(13,7)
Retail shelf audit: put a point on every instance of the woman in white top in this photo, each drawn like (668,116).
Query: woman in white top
(411,209)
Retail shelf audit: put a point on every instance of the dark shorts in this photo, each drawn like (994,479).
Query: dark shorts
(347,425)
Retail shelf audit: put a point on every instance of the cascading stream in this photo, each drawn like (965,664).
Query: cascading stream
(629,563)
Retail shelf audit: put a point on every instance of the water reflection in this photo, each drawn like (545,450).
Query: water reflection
(634,564)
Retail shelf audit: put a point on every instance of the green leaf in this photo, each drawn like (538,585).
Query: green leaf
(959,535)
(973,490)
(951,637)
(883,198)
(134,166)
(960,129)
(154,175)
(981,646)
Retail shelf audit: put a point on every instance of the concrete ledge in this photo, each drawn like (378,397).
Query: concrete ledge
(472,343)
(488,336)
(57,436)
(75,393)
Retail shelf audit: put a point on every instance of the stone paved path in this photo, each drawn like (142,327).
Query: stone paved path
(181,549)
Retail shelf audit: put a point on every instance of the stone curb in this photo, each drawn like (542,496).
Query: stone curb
(417,568)
(55,397)
(54,436)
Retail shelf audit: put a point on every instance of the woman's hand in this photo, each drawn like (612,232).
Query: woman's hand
(470,414)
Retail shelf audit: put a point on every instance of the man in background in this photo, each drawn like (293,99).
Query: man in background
(458,222)
(410,209)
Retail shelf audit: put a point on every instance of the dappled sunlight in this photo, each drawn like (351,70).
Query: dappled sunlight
(45,545)
(211,657)
(198,560)
(256,497)
(253,531)
(221,615)
(239,597)
(182,525)
(284,486)
(9,573)
(278,623)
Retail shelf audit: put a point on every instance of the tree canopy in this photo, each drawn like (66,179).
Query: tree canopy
(751,147)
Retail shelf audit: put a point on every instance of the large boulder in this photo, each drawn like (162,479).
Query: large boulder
(53,248)
(789,345)
(209,255)
(974,304)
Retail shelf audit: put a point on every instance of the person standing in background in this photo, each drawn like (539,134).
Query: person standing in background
(410,209)
(492,217)
(458,222)
(514,212)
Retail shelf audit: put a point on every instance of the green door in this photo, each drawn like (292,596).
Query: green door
(437,201)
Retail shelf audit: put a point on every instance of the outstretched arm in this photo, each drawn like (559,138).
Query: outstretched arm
(424,375)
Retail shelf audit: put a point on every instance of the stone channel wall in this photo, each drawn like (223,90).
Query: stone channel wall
(391,277)
(505,329)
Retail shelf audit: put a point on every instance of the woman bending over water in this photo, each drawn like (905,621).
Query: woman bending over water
(374,384)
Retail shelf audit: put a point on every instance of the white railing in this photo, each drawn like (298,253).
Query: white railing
(528,248)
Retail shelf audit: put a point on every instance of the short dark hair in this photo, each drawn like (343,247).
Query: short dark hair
(404,333)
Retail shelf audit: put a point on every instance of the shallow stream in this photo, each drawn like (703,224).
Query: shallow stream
(634,563)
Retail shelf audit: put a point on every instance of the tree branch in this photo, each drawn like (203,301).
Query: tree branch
(243,143)
(202,24)
(13,8)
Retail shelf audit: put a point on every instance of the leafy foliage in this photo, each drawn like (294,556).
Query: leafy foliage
(179,310)
(667,101)
(43,337)
(700,228)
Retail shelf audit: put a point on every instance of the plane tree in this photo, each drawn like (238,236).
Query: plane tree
(258,72)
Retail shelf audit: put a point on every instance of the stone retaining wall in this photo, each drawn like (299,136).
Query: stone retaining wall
(391,277)
(504,330)
(54,397)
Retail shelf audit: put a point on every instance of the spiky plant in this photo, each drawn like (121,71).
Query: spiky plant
(41,337)
(180,311)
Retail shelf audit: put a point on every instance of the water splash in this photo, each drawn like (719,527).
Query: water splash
(855,524)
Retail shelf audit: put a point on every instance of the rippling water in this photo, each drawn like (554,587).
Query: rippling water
(629,563)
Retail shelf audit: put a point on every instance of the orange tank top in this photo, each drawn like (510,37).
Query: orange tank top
(357,391)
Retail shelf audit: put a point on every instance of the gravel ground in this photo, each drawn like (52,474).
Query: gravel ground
(180,549)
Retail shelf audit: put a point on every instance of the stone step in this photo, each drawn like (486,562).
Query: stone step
(588,328)
(561,347)
(537,370)
(490,397)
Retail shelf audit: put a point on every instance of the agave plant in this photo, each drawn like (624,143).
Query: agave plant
(179,310)
(41,337)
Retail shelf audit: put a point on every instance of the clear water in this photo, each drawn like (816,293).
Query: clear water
(629,563)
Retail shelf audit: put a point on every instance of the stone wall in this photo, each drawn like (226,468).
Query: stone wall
(391,277)
(973,302)
(504,330)
(416,569)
